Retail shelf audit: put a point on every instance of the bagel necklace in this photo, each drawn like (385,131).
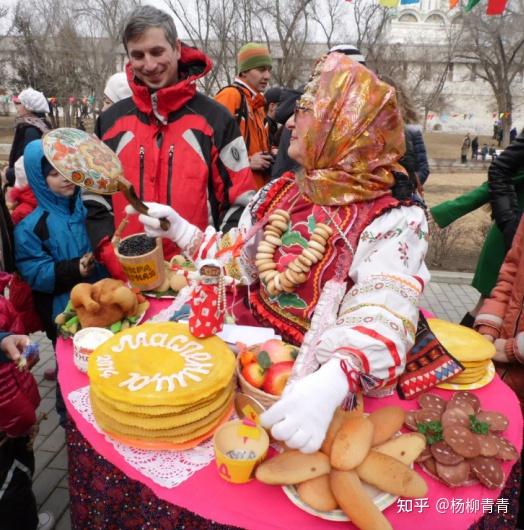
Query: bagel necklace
(297,270)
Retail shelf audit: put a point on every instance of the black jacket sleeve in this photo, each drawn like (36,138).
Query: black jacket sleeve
(503,196)
(67,275)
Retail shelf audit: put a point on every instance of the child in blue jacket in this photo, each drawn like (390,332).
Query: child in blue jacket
(52,250)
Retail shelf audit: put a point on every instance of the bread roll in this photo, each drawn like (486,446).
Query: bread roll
(406,448)
(355,502)
(293,467)
(338,419)
(388,474)
(387,421)
(352,443)
(317,494)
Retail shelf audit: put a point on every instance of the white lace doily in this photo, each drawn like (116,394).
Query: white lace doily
(165,468)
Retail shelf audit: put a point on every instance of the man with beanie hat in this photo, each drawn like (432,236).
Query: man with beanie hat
(245,100)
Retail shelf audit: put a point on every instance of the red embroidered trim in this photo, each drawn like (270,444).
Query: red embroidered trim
(261,313)
(352,376)
(359,354)
(275,190)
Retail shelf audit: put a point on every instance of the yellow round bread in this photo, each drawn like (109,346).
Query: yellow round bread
(465,344)
(167,421)
(476,364)
(465,379)
(175,435)
(473,371)
(160,364)
(160,410)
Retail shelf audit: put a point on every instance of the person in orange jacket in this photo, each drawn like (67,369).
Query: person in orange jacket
(245,100)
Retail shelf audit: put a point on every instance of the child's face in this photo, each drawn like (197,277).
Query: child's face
(59,184)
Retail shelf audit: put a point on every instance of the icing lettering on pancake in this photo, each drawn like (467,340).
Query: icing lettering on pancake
(159,340)
(105,366)
(193,366)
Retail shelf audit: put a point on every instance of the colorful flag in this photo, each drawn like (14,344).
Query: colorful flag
(496,7)
(453,3)
(388,3)
(470,5)
(404,2)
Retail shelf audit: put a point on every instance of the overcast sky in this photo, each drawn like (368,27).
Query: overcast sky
(4,24)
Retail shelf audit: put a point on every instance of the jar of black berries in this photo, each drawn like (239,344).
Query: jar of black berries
(142,258)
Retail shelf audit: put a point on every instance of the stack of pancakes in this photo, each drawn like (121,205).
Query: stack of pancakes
(470,348)
(158,383)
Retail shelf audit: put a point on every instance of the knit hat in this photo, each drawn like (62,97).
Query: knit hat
(253,55)
(117,87)
(350,51)
(33,100)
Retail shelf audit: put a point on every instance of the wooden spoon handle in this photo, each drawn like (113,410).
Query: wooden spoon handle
(129,191)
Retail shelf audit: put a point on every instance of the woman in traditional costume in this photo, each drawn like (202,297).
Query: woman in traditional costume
(334,262)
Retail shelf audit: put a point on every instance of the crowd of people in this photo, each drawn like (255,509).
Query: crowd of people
(340,162)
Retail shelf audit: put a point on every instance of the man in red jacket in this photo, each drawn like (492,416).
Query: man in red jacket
(177,146)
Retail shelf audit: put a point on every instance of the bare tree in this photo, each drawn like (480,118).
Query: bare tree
(221,27)
(494,46)
(50,56)
(328,15)
(213,27)
(100,23)
(66,50)
(371,25)
(290,22)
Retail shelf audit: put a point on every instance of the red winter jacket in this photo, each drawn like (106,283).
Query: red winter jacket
(19,398)
(10,320)
(177,147)
(25,202)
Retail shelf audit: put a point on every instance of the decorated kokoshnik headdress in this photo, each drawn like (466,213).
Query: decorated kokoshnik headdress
(357,134)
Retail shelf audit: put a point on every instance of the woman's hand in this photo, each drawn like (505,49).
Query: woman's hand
(302,415)
(180,231)
(14,345)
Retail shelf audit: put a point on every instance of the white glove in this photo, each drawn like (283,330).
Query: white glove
(302,416)
(181,231)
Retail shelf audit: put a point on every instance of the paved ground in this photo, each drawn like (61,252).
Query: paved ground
(448,296)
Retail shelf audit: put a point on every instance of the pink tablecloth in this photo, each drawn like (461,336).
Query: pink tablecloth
(260,507)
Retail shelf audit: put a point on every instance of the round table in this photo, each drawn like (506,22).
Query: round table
(107,493)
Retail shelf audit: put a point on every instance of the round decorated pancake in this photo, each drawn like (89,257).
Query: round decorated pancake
(463,343)
(160,364)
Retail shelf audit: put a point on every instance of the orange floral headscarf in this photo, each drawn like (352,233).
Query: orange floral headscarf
(357,134)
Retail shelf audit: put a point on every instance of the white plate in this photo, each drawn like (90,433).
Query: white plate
(381,499)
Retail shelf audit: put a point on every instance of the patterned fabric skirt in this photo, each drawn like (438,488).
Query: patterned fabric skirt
(104,498)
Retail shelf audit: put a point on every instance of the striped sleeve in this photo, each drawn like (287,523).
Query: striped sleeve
(378,316)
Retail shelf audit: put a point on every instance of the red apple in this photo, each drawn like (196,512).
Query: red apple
(278,351)
(254,374)
(276,377)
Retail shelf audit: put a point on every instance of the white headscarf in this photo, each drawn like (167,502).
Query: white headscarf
(33,100)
